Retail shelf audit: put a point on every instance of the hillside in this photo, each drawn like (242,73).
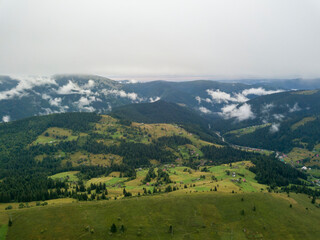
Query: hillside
(164,112)
(286,120)
(81,162)
(192,216)
(97,145)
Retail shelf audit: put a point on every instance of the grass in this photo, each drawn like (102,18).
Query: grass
(56,135)
(3,231)
(71,176)
(302,122)
(306,92)
(199,215)
(248,130)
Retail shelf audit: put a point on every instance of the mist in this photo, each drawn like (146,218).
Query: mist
(168,39)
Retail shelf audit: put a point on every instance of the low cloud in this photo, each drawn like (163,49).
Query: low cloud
(295,108)
(24,84)
(73,88)
(198,99)
(278,117)
(204,110)
(240,113)
(120,93)
(259,91)
(241,97)
(154,99)
(274,127)
(84,103)
(223,97)
(6,118)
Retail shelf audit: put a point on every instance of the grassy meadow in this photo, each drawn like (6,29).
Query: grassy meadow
(208,215)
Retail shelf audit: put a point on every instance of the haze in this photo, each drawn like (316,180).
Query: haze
(161,39)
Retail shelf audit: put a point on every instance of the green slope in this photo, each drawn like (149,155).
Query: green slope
(192,216)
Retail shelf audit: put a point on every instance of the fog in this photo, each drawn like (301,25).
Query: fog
(168,39)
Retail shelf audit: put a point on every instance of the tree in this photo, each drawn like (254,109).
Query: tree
(113,228)
(170,229)
(122,229)
(242,212)
(313,201)
(10,222)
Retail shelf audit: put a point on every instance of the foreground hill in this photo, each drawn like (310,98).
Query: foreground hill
(211,215)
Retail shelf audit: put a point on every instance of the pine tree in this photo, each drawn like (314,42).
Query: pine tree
(113,228)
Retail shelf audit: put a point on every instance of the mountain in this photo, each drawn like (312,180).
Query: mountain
(280,121)
(22,97)
(164,112)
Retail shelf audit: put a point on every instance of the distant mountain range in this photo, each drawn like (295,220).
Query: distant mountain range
(203,106)
(29,96)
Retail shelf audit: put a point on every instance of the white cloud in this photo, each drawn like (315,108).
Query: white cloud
(55,102)
(73,88)
(133,96)
(198,99)
(223,97)
(265,109)
(240,113)
(259,91)
(6,118)
(154,99)
(295,108)
(204,110)
(278,117)
(84,103)
(90,84)
(275,127)
(25,83)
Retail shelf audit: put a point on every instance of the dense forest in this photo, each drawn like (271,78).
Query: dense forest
(286,138)
(23,178)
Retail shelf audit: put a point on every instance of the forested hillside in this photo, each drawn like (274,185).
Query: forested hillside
(94,145)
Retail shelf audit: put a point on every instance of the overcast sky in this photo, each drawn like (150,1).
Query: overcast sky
(163,38)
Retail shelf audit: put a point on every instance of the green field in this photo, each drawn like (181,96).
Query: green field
(3,231)
(211,215)
(69,176)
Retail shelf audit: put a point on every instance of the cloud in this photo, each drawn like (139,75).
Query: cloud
(198,99)
(120,93)
(259,91)
(274,127)
(55,102)
(24,84)
(223,97)
(240,113)
(204,110)
(6,118)
(84,103)
(265,109)
(295,108)
(278,117)
(154,99)
(73,88)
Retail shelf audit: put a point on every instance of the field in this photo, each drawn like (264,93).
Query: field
(69,176)
(302,122)
(212,215)
(54,135)
(248,130)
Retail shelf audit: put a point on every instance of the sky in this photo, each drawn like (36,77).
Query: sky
(167,39)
